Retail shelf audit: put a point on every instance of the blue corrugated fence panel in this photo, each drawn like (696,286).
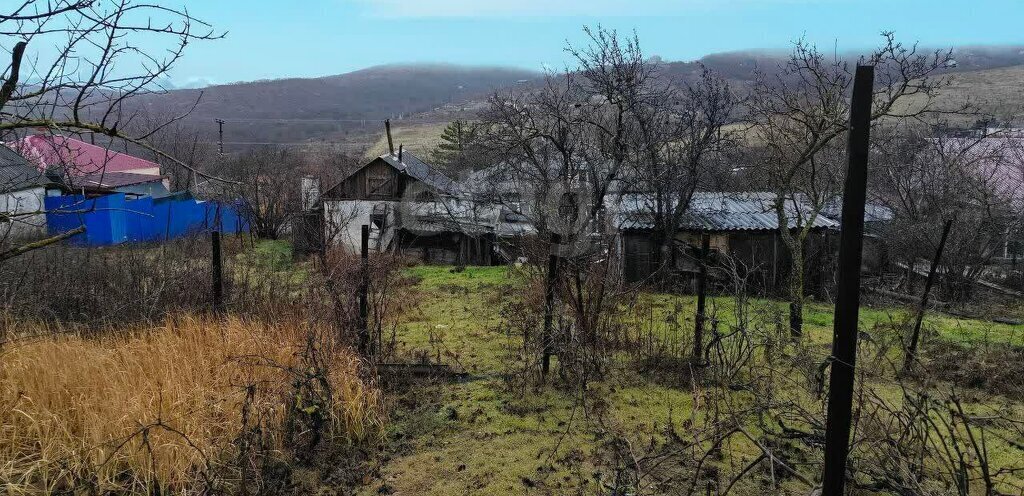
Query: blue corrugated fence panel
(114,219)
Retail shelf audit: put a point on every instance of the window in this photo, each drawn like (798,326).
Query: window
(378,184)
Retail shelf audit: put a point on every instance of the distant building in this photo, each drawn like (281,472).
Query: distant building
(93,169)
(410,208)
(130,183)
(23,190)
(73,157)
(740,225)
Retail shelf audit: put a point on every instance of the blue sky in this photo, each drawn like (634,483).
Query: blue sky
(302,38)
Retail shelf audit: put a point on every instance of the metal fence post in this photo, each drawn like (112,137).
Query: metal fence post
(218,273)
(844,338)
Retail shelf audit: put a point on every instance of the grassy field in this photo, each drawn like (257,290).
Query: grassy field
(161,408)
(479,436)
(420,139)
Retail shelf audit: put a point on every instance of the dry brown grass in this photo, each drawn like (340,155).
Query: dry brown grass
(159,408)
(420,139)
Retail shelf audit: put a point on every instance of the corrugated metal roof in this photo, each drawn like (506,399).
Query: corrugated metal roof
(422,171)
(16,173)
(115,179)
(716,211)
(77,157)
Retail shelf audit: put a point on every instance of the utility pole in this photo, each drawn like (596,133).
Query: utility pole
(220,135)
(844,334)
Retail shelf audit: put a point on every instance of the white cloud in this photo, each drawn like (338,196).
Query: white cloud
(534,8)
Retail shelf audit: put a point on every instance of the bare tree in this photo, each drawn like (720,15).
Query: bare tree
(926,176)
(798,114)
(267,180)
(679,138)
(76,64)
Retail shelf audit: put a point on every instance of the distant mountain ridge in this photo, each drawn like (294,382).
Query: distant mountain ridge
(347,106)
(286,110)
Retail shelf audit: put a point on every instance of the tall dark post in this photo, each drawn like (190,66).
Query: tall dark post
(844,337)
(217,273)
(702,279)
(220,135)
(908,359)
(387,130)
(364,288)
(549,301)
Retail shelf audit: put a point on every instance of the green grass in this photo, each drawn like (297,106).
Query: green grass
(269,264)
(477,436)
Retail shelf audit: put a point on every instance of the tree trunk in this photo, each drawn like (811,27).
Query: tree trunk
(795,246)
(796,296)
(796,285)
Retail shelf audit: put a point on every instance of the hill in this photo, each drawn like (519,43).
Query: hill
(994,92)
(348,109)
(333,107)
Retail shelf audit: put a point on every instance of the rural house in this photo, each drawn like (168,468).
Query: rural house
(117,197)
(92,169)
(76,158)
(411,208)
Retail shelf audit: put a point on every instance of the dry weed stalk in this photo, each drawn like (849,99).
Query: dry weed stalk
(163,408)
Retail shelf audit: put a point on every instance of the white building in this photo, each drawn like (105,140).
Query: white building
(23,190)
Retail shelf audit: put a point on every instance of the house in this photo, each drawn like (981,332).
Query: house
(129,183)
(93,169)
(23,190)
(742,225)
(74,157)
(411,208)
(117,197)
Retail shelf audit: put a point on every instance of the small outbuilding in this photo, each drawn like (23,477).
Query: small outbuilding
(741,225)
(23,191)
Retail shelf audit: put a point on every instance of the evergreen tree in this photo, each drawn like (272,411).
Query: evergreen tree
(459,150)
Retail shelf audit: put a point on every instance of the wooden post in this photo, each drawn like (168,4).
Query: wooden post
(549,301)
(364,288)
(387,129)
(217,273)
(702,276)
(844,337)
(908,358)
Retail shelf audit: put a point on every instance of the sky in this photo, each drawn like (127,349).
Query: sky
(269,39)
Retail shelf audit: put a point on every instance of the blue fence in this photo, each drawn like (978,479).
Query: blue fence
(115,219)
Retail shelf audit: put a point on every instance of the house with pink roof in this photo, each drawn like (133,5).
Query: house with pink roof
(76,158)
(85,166)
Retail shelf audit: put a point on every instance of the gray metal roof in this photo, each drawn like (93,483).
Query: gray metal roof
(115,179)
(873,212)
(718,211)
(16,173)
(422,171)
